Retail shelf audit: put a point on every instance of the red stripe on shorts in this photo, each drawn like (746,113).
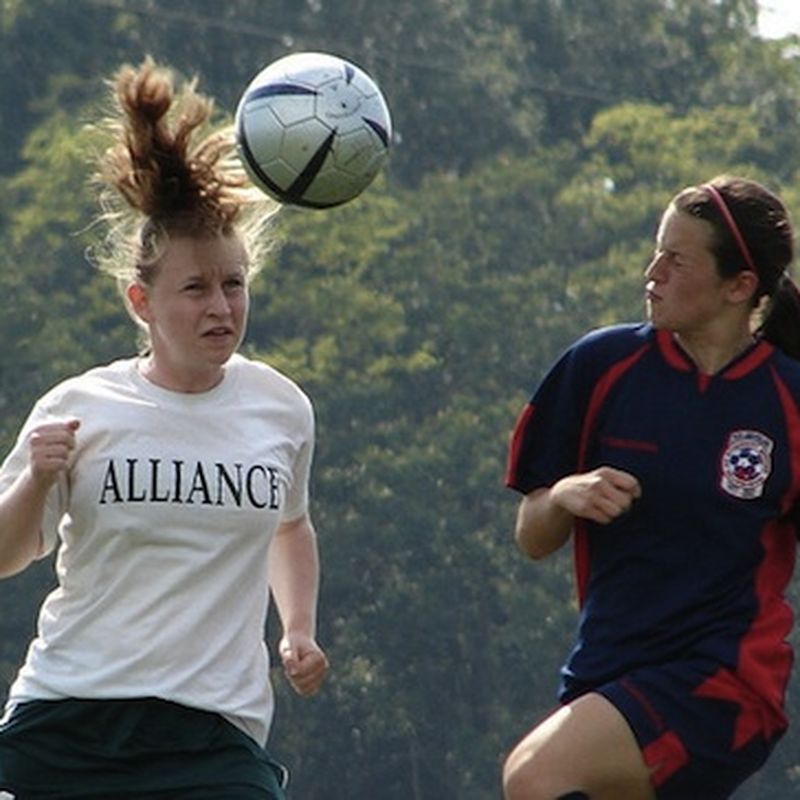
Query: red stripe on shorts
(665,756)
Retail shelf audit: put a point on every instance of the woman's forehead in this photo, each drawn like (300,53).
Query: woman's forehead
(680,230)
(205,254)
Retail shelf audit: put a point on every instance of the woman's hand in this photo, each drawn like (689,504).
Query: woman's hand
(50,447)
(546,516)
(304,663)
(601,495)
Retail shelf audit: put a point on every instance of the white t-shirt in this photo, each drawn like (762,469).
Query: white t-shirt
(164,521)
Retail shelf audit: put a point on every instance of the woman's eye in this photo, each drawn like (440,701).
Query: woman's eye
(671,256)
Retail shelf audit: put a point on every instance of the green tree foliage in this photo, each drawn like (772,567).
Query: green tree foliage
(60,316)
(538,143)
(466,78)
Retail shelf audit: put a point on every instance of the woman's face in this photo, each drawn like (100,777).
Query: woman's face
(685,292)
(195,310)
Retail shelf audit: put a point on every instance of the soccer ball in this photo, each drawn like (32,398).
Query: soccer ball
(312,130)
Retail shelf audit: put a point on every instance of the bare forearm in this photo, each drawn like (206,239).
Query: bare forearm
(294,580)
(294,576)
(22,505)
(21,511)
(542,526)
(546,516)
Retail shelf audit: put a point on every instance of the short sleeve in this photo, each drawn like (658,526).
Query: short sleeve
(548,441)
(297,495)
(545,440)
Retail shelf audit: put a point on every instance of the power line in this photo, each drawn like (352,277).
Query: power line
(129,7)
(287,40)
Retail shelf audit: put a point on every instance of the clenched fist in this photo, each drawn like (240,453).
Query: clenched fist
(304,663)
(50,446)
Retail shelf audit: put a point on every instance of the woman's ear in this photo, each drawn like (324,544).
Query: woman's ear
(743,287)
(138,301)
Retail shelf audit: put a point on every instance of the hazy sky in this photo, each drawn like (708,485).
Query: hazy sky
(779,17)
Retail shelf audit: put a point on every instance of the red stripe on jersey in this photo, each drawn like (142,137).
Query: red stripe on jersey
(673,355)
(678,359)
(630,444)
(792,416)
(516,444)
(758,714)
(765,657)
(758,685)
(754,359)
(598,398)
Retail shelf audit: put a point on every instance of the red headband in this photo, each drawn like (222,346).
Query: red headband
(720,203)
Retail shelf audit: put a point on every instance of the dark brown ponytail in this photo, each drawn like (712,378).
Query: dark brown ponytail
(781,322)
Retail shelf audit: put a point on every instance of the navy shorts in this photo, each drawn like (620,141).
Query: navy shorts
(147,749)
(702,732)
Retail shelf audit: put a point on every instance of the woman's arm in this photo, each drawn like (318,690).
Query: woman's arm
(21,511)
(294,581)
(22,504)
(546,516)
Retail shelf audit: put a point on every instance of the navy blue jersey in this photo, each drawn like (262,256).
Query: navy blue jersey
(697,569)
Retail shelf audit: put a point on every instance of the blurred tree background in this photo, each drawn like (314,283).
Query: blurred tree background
(536,143)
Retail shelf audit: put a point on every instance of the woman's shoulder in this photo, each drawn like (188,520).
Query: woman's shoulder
(788,369)
(629,334)
(93,380)
(255,375)
(612,342)
(597,351)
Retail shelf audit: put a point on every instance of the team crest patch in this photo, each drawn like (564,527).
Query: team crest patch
(746,464)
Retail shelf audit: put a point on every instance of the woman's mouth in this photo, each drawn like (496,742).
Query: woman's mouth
(220,332)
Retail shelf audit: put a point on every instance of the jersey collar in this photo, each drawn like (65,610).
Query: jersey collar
(747,361)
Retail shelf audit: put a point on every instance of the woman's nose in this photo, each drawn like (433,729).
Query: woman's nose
(218,302)
(652,272)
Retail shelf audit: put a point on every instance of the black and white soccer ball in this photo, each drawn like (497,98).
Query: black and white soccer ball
(313,129)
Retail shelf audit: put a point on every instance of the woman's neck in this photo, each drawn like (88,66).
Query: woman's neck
(712,353)
(187,382)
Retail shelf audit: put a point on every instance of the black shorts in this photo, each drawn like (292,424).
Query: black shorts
(702,732)
(125,749)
